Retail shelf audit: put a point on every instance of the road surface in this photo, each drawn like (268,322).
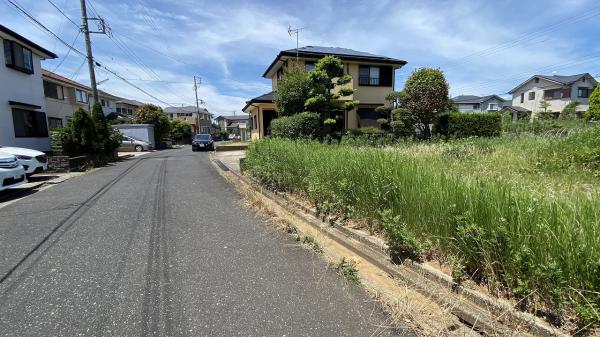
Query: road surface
(161,245)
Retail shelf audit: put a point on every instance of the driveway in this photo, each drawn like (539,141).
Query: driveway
(161,245)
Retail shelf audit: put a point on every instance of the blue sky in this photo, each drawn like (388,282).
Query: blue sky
(484,47)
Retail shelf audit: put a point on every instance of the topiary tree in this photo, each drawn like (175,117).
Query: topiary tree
(292,90)
(425,96)
(152,114)
(593,113)
(327,87)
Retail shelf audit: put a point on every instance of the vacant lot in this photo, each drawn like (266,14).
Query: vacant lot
(517,213)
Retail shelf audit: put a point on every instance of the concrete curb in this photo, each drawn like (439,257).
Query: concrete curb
(490,316)
(224,148)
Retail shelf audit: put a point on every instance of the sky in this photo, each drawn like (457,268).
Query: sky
(483,46)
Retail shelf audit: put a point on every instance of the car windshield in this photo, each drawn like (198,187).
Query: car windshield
(202,137)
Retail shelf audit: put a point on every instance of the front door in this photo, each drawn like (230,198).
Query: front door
(268,116)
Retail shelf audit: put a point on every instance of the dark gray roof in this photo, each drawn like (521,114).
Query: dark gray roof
(515,108)
(343,53)
(233,118)
(24,40)
(468,99)
(266,98)
(565,80)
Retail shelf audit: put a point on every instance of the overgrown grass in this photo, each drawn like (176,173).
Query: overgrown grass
(503,209)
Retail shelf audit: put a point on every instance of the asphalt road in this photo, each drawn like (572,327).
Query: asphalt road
(161,245)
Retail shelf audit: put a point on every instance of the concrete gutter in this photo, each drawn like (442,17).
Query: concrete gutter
(490,316)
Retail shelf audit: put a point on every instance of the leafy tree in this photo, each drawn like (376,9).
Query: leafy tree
(181,131)
(152,114)
(292,90)
(593,112)
(327,82)
(425,97)
(544,105)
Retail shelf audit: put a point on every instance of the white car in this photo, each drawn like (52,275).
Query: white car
(12,172)
(33,161)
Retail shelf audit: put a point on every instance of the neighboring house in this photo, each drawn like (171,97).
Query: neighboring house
(190,114)
(373,78)
(234,125)
(64,96)
(127,107)
(557,90)
(23,121)
(469,103)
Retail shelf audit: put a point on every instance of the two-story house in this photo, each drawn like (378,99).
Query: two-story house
(557,90)
(191,115)
(470,103)
(23,120)
(64,96)
(128,107)
(373,78)
(234,125)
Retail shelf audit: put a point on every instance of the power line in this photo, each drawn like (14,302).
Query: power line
(63,13)
(68,52)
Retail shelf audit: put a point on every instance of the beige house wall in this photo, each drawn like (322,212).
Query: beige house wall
(556,105)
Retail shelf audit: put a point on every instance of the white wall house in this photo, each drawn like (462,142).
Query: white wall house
(23,121)
(470,103)
(557,90)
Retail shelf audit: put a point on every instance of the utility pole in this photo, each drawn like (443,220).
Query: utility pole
(88,46)
(197,104)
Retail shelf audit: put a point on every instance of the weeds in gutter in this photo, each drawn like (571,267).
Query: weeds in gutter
(349,270)
(310,241)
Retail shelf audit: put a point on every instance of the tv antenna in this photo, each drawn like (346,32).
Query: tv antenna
(297,32)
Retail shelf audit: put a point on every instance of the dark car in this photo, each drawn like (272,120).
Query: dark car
(203,142)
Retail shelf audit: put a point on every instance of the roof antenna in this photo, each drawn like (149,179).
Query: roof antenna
(297,32)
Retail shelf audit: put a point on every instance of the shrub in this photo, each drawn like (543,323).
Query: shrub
(570,110)
(305,125)
(425,96)
(458,125)
(580,149)
(292,90)
(82,138)
(593,113)
(181,131)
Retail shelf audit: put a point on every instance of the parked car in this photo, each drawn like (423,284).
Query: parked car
(203,142)
(132,144)
(33,161)
(12,172)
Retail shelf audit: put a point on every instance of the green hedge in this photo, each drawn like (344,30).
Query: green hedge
(305,125)
(457,125)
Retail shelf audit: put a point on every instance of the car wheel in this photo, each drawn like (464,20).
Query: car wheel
(139,148)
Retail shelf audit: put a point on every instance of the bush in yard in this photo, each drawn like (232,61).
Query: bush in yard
(593,113)
(103,130)
(570,110)
(292,90)
(181,131)
(368,136)
(152,114)
(305,125)
(82,138)
(458,125)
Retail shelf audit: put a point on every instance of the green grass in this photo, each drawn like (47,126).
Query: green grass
(520,213)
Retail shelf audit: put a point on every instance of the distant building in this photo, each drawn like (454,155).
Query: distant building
(237,125)
(190,115)
(470,103)
(557,90)
(127,107)
(23,120)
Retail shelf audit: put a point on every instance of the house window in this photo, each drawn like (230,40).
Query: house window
(54,123)
(53,90)
(119,110)
(103,102)
(557,94)
(28,123)
(81,96)
(537,80)
(583,92)
(476,106)
(129,111)
(522,97)
(368,75)
(532,95)
(309,65)
(583,79)
(18,57)
(493,106)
